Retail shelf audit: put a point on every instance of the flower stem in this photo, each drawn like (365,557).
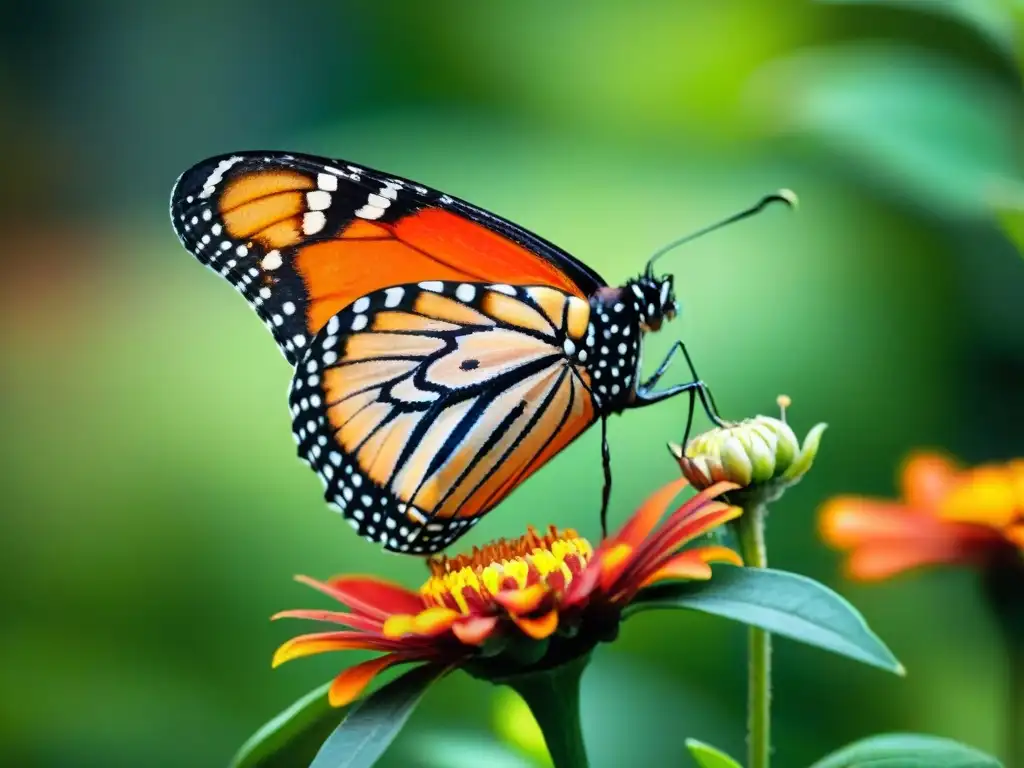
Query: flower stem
(750,527)
(553,695)
(1015,711)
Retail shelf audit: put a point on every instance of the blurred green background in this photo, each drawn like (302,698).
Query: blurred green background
(153,508)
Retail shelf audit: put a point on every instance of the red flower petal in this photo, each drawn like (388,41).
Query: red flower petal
(323,642)
(687,523)
(474,630)
(926,478)
(354,620)
(636,547)
(613,562)
(371,597)
(689,510)
(540,627)
(435,621)
(520,601)
(646,517)
(682,528)
(850,521)
(428,623)
(382,597)
(888,538)
(350,684)
(873,562)
(692,564)
(582,586)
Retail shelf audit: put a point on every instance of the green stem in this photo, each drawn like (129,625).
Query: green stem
(553,696)
(750,528)
(1015,710)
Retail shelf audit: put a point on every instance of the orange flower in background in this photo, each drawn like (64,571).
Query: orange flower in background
(513,606)
(948,515)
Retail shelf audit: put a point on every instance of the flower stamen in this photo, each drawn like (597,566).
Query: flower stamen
(551,560)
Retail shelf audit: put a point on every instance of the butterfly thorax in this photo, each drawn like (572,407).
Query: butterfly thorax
(618,319)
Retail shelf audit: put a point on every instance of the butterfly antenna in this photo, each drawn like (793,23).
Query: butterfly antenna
(781,196)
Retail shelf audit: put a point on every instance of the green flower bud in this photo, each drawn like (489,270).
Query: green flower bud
(762,455)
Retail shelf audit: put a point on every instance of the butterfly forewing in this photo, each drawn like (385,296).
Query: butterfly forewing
(421,406)
(303,237)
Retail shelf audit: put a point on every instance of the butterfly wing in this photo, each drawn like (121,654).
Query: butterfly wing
(422,406)
(302,237)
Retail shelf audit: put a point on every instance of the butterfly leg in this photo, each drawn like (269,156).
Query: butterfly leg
(606,464)
(689,419)
(645,395)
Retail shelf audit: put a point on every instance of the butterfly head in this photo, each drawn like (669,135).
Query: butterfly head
(654,300)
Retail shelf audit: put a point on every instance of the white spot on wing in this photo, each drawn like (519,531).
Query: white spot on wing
(272,260)
(318,200)
(313,222)
(217,176)
(370,212)
(416,515)
(393,297)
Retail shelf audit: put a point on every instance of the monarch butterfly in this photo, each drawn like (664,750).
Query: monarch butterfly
(442,354)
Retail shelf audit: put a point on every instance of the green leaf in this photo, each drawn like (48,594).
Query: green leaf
(374,722)
(310,713)
(919,126)
(991,18)
(457,750)
(709,757)
(907,750)
(783,603)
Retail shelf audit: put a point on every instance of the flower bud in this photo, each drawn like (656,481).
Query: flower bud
(762,455)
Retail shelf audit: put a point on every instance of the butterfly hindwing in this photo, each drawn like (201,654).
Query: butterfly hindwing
(302,237)
(421,406)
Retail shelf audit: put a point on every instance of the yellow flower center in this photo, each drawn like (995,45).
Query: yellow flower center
(466,583)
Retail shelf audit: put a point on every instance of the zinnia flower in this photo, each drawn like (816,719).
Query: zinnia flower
(514,607)
(948,515)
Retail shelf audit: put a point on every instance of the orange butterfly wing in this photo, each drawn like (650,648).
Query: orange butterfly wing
(422,406)
(303,237)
